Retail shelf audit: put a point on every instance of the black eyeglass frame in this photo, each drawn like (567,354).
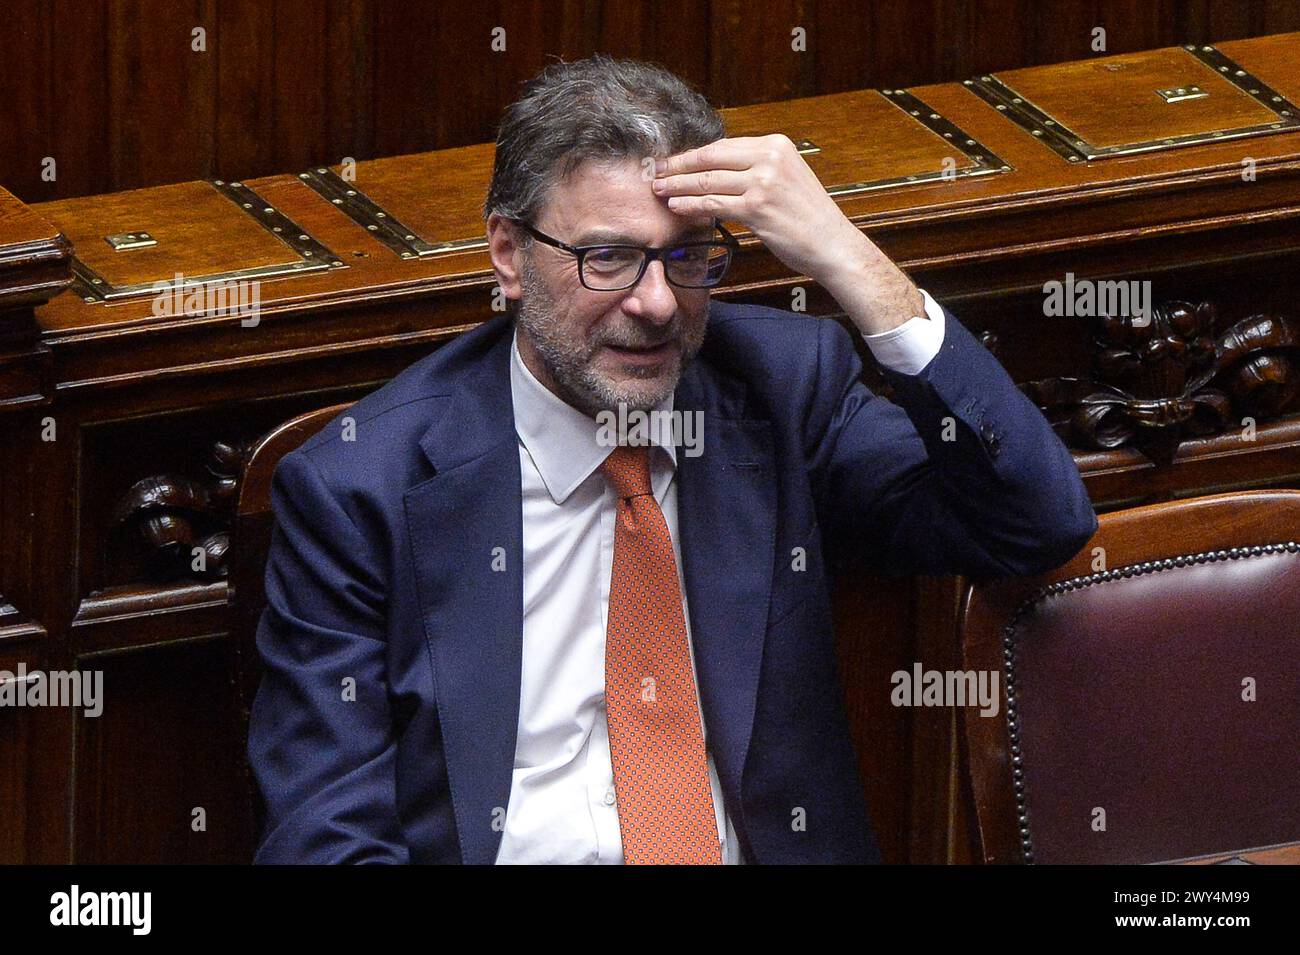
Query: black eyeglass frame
(652,254)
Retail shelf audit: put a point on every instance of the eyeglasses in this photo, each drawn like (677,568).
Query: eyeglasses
(612,268)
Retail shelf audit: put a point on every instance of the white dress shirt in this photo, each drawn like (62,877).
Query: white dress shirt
(563,807)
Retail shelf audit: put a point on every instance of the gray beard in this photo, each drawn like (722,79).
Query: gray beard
(569,362)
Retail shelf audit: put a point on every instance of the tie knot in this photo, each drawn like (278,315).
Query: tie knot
(627,469)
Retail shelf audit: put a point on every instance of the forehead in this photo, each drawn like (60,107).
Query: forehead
(611,201)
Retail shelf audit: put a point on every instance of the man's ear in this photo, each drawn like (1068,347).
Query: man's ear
(503,246)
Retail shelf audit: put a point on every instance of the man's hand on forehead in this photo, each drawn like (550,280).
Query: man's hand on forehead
(763,183)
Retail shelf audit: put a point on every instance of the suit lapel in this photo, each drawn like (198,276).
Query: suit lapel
(465,525)
(727,522)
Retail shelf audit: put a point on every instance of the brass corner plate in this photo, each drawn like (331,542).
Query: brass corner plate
(126,241)
(312,256)
(1058,136)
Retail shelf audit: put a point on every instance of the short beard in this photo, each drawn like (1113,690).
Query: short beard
(569,361)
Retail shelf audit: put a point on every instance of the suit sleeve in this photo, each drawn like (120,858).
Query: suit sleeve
(963,475)
(321,741)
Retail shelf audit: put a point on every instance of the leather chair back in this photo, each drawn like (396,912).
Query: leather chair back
(1150,689)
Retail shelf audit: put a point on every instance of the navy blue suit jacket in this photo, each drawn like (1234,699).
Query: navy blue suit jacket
(381,572)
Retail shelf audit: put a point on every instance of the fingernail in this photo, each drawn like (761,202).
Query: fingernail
(657,185)
(661,167)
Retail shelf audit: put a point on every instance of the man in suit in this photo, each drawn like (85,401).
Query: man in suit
(502,629)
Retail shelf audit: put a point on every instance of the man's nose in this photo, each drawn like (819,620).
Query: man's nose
(656,297)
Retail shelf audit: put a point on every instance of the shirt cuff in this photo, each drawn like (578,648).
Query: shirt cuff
(912,345)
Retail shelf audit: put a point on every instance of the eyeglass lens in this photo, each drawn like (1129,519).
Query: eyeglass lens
(692,266)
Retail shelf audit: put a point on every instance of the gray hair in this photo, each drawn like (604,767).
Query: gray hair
(597,108)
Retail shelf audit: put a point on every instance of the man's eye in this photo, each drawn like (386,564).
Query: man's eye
(611,258)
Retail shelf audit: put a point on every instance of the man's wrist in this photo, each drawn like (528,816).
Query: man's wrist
(875,294)
(910,347)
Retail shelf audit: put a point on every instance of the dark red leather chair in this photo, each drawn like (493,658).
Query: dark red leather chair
(1151,685)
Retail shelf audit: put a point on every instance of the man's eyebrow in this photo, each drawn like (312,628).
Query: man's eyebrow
(614,237)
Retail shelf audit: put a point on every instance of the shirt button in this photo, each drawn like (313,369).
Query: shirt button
(609,797)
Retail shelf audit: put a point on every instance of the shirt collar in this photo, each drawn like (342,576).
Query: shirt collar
(565,444)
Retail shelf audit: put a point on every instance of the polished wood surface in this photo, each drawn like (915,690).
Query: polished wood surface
(285,85)
(1105,100)
(211,236)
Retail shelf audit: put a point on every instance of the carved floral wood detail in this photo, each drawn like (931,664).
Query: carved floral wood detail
(171,515)
(1186,373)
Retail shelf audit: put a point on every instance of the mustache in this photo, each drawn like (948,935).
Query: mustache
(622,340)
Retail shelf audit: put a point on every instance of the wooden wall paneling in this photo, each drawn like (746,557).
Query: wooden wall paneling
(1204,20)
(301,89)
(621,28)
(537,33)
(162,748)
(434,75)
(1278,16)
(21,652)
(112,90)
(250,56)
(901,41)
(934,772)
(81,127)
(349,82)
(843,45)
(162,92)
(1063,31)
(15,771)
(34,266)
(750,56)
(53,520)
(1138,26)
(34,743)
(406,47)
(677,35)
(295,85)
(972,45)
(26,113)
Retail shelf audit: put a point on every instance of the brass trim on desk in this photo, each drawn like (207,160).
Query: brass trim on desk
(312,255)
(377,220)
(1058,136)
(984,162)
(408,244)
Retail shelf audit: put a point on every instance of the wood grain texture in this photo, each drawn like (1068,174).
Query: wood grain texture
(112,90)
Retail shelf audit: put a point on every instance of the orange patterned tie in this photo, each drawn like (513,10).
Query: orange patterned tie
(661,772)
